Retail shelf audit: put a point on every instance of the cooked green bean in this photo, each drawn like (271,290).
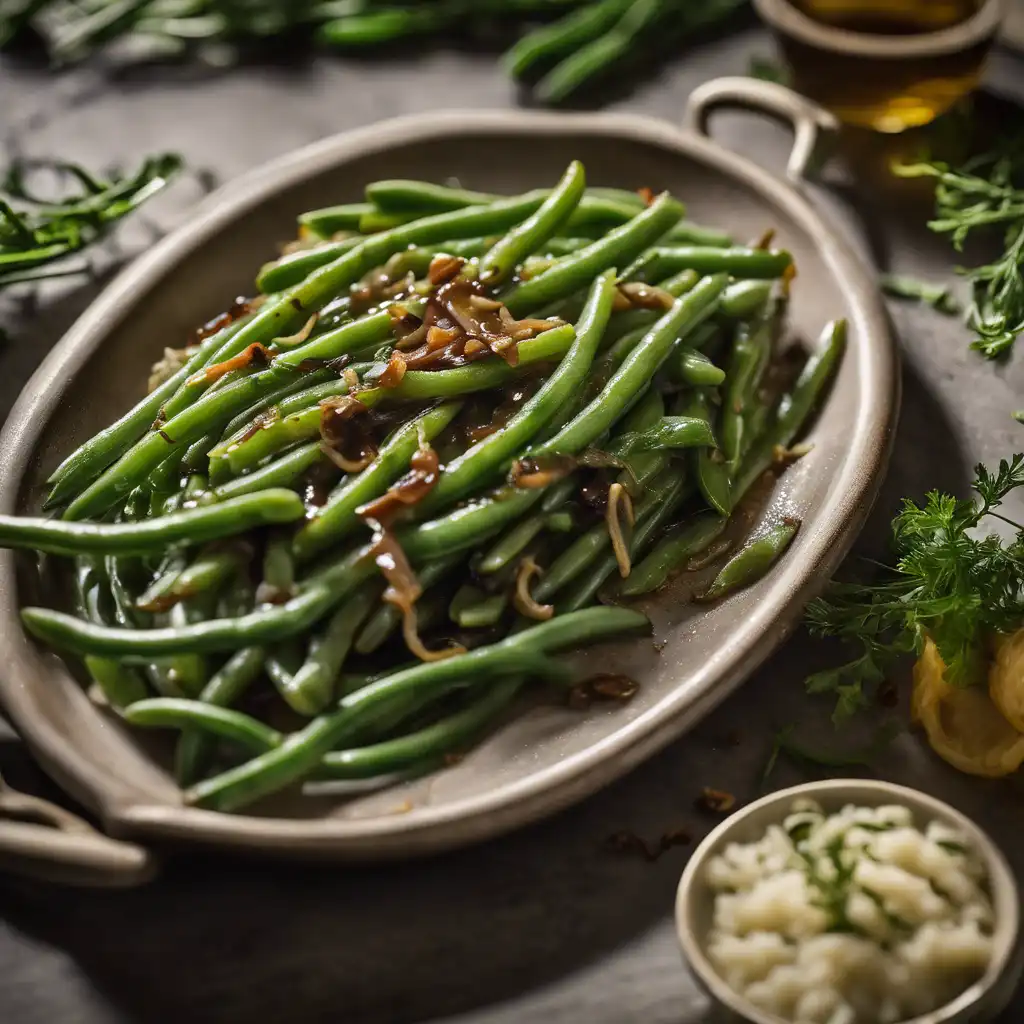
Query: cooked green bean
(225,687)
(795,407)
(739,261)
(614,249)
(194,525)
(92,457)
(709,468)
(208,555)
(669,432)
(501,260)
(671,552)
(311,688)
(658,513)
(282,472)
(386,618)
(478,463)
(636,371)
(299,753)
(751,562)
(563,36)
(337,519)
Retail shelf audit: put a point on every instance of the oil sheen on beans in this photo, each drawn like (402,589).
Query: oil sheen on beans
(893,92)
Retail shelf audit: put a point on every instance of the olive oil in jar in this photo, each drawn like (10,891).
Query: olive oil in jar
(884,64)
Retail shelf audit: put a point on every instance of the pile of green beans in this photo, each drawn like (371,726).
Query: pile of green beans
(240,574)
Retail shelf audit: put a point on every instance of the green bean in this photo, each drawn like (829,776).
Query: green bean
(301,752)
(307,383)
(344,340)
(751,562)
(694,368)
(558,494)
(671,552)
(591,544)
(618,246)
(312,687)
(94,455)
(120,684)
(511,545)
(281,664)
(739,261)
(375,221)
(212,410)
(194,525)
(332,219)
(795,407)
(225,687)
(751,353)
(295,267)
(563,36)
(501,260)
(206,574)
(398,195)
(464,473)
(386,617)
(472,608)
(282,472)
(709,468)
(337,519)
(636,371)
(744,299)
(416,385)
(438,740)
(386,758)
(584,62)
(670,432)
(185,673)
(278,563)
(165,712)
(657,512)
(264,626)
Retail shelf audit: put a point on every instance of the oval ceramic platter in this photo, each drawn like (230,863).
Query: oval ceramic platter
(545,757)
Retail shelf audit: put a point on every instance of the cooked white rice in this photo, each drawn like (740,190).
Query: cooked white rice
(850,918)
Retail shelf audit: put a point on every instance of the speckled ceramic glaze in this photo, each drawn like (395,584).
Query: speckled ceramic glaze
(547,757)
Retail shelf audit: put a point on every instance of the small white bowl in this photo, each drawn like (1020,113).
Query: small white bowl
(694,900)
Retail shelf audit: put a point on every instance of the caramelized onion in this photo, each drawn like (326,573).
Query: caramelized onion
(443,268)
(528,473)
(618,495)
(297,339)
(424,472)
(393,372)
(409,329)
(254,354)
(239,308)
(765,240)
(647,195)
(346,441)
(403,591)
(523,599)
(347,465)
(646,296)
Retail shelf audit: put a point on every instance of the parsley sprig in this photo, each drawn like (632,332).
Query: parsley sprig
(950,583)
(38,233)
(985,193)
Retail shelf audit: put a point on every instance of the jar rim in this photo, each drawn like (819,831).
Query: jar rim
(784,16)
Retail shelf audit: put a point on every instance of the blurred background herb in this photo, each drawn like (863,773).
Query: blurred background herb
(38,232)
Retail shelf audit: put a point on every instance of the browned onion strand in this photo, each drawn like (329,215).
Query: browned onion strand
(302,335)
(618,497)
(255,354)
(522,599)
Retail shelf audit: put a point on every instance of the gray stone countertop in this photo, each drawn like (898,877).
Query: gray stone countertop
(546,924)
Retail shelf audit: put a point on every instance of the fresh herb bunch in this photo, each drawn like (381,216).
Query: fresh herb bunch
(986,192)
(586,40)
(37,233)
(949,584)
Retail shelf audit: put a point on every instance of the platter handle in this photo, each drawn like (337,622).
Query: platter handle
(813,126)
(40,840)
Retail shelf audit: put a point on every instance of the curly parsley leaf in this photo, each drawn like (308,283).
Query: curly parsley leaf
(948,583)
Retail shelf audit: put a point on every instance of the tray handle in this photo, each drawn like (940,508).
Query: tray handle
(40,840)
(813,126)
